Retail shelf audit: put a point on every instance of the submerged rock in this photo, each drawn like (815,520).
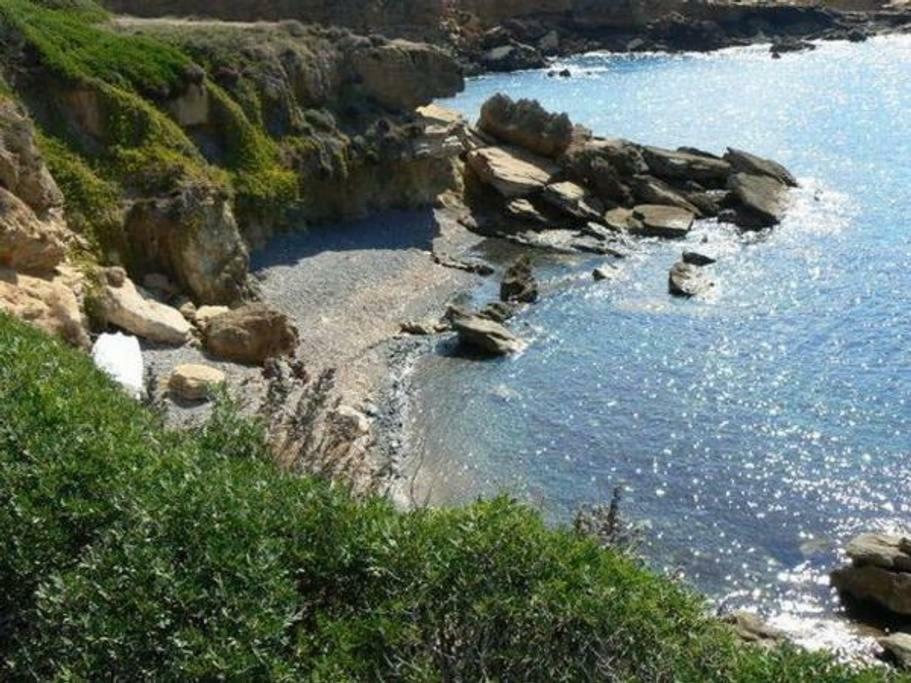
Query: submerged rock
(193,382)
(519,283)
(605,272)
(251,334)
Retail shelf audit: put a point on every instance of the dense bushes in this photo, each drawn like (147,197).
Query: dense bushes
(135,552)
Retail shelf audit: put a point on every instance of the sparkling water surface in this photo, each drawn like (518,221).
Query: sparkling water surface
(755,430)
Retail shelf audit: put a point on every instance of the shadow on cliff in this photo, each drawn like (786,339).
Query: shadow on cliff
(387,231)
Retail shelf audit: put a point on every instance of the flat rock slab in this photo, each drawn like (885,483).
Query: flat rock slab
(573,200)
(658,220)
(512,172)
(122,304)
(651,190)
(764,197)
(667,163)
(881,550)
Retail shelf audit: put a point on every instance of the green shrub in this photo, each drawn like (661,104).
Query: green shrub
(133,552)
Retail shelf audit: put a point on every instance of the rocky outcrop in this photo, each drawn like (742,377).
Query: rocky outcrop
(744,162)
(27,243)
(519,284)
(194,382)
(48,304)
(879,573)
(484,335)
(762,200)
(251,334)
(193,237)
(119,303)
(512,172)
(526,124)
(656,220)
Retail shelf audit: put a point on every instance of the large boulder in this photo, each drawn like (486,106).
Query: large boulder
(192,236)
(120,303)
(50,305)
(402,75)
(512,172)
(686,165)
(879,573)
(252,333)
(519,283)
(27,243)
(762,200)
(526,124)
(744,162)
(655,220)
(688,280)
(194,382)
(484,335)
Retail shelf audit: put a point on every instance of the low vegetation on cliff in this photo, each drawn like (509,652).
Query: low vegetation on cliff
(135,552)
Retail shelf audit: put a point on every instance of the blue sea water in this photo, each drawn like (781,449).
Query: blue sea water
(755,430)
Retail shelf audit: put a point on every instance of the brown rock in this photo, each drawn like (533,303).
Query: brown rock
(47,304)
(22,168)
(519,284)
(27,243)
(512,172)
(120,303)
(744,162)
(890,590)
(666,163)
(192,382)
(687,280)
(486,335)
(251,334)
(662,221)
(526,124)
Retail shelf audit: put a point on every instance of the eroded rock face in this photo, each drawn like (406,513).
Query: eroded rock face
(120,303)
(22,169)
(193,237)
(519,284)
(26,243)
(252,333)
(49,304)
(526,124)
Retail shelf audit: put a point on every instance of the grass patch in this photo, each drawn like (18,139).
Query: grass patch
(134,552)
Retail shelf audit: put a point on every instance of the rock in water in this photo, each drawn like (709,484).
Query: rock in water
(192,382)
(898,648)
(119,356)
(686,279)
(251,334)
(744,162)
(685,165)
(694,258)
(880,572)
(519,283)
(656,220)
(26,243)
(762,197)
(605,272)
(121,304)
(498,311)
(526,124)
(485,335)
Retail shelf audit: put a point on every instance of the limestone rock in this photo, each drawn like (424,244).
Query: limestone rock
(204,315)
(486,335)
(662,221)
(49,305)
(120,303)
(498,311)
(898,648)
(193,382)
(27,243)
(763,197)
(744,162)
(403,75)
(512,172)
(687,280)
(526,124)
(621,219)
(519,283)
(890,590)
(524,211)
(666,163)
(251,334)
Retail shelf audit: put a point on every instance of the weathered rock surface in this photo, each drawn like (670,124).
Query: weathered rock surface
(48,304)
(27,243)
(763,199)
(251,334)
(203,315)
(662,221)
(484,335)
(688,280)
(744,162)
(120,303)
(512,172)
(519,284)
(194,382)
(573,200)
(898,649)
(750,628)
(22,168)
(666,163)
(650,190)
(879,573)
(513,57)
(526,124)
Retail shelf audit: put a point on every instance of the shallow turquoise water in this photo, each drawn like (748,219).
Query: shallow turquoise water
(754,431)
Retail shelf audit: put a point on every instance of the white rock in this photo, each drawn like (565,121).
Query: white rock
(119,356)
(123,305)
